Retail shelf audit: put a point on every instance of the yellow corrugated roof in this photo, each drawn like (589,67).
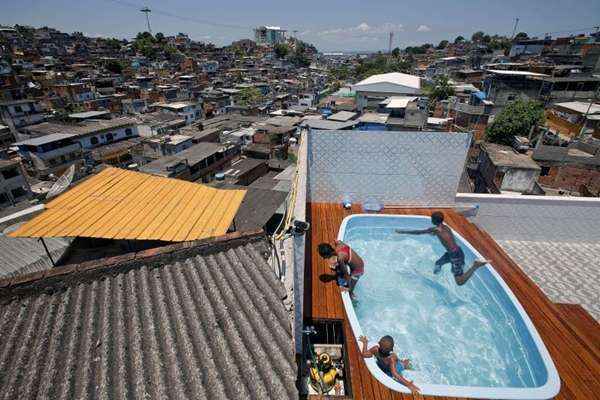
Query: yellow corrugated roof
(121,204)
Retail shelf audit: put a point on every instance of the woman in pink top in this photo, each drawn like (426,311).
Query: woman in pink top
(344,261)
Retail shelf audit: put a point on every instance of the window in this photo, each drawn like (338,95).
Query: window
(3,198)
(10,173)
(128,132)
(18,109)
(109,137)
(94,140)
(18,192)
(511,97)
(545,171)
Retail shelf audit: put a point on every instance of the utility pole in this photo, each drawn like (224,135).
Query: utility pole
(147,11)
(515,28)
(390,43)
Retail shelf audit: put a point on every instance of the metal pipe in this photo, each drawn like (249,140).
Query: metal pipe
(47,252)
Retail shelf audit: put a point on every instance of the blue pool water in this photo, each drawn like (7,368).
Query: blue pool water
(470,335)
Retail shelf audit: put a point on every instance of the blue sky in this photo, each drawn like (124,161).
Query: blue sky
(330,25)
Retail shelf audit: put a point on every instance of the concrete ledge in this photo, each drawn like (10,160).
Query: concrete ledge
(532,200)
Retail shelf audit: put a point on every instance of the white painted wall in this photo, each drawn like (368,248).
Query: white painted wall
(118,134)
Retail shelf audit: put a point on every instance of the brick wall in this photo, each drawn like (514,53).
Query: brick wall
(571,178)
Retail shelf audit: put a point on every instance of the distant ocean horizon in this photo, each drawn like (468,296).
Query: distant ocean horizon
(352,52)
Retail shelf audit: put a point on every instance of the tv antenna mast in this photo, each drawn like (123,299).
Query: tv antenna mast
(390,43)
(147,11)
(515,28)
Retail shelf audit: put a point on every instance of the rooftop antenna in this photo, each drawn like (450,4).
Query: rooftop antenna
(390,43)
(515,28)
(147,11)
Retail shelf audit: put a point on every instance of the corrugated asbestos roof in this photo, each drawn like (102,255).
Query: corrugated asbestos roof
(120,204)
(201,324)
(23,255)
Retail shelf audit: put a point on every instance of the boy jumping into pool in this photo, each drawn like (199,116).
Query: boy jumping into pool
(388,361)
(454,253)
(344,261)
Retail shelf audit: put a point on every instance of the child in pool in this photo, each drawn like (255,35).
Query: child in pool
(388,361)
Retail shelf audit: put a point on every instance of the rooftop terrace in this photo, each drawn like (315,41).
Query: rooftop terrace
(575,353)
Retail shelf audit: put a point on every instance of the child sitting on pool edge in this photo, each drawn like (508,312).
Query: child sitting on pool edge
(388,361)
(345,262)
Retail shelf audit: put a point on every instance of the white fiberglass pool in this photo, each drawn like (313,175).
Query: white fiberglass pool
(473,340)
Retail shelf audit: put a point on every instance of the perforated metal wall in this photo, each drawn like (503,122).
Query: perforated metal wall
(399,168)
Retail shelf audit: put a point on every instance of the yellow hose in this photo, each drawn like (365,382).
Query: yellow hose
(292,199)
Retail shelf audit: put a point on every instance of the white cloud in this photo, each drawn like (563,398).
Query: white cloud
(363,29)
(423,28)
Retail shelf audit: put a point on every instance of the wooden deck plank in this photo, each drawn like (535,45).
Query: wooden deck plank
(570,336)
(585,327)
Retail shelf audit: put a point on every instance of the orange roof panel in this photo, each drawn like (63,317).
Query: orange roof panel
(121,204)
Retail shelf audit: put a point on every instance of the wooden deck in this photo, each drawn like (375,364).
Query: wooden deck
(566,333)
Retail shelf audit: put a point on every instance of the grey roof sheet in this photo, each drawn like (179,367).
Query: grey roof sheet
(52,137)
(201,324)
(505,156)
(24,255)
(327,124)
(81,128)
(193,155)
(556,242)
(267,181)
(342,116)
(89,114)
(258,206)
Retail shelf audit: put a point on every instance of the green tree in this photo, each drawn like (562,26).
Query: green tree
(459,39)
(516,119)
(250,96)
(113,43)
(159,37)
(300,57)
(281,50)
(341,73)
(144,43)
(441,89)
(396,52)
(521,36)
(477,37)
(442,45)
(114,66)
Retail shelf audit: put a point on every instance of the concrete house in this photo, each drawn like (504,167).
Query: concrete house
(373,90)
(505,170)
(21,113)
(49,154)
(13,185)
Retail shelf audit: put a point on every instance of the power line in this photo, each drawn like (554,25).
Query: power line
(180,17)
(567,31)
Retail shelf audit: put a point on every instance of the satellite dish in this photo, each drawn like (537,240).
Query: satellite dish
(62,183)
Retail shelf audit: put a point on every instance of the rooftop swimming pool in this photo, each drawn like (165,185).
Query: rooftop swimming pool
(473,340)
